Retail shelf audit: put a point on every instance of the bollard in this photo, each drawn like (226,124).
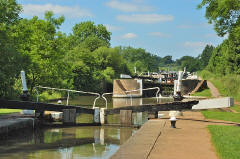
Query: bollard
(173,121)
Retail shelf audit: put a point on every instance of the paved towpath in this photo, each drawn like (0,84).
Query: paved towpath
(156,140)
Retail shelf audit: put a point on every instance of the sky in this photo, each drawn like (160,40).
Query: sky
(161,27)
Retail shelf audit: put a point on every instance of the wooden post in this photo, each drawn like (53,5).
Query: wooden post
(69,116)
(126,117)
(103,116)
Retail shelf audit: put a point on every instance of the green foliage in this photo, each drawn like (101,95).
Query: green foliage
(226,139)
(204,93)
(228,85)
(88,33)
(205,56)
(140,59)
(224,59)
(93,70)
(45,96)
(9,12)
(39,42)
(10,61)
(189,62)
(225,14)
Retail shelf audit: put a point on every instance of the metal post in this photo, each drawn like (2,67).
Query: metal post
(68,98)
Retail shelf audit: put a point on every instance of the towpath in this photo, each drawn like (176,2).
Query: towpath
(156,140)
(214,91)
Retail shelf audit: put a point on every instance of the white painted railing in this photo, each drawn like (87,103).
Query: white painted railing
(130,91)
(103,96)
(68,91)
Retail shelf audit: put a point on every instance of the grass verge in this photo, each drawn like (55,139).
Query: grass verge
(9,111)
(226,140)
(228,85)
(226,116)
(204,93)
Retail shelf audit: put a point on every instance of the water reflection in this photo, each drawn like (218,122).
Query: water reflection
(66,143)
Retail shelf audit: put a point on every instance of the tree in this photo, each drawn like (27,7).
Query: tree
(223,60)
(189,62)
(10,60)
(40,43)
(224,13)
(138,57)
(90,35)
(9,12)
(205,56)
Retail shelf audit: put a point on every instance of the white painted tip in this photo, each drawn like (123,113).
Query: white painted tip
(173,118)
(59,102)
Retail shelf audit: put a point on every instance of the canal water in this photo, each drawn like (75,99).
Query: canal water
(77,142)
(66,143)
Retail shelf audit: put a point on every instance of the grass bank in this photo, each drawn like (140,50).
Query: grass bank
(226,140)
(228,85)
(9,111)
(226,116)
(203,93)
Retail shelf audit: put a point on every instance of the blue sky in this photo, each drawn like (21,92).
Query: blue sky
(162,27)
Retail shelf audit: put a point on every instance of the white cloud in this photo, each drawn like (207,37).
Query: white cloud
(196,45)
(112,27)
(211,35)
(159,34)
(129,36)
(128,7)
(68,11)
(145,18)
(185,26)
(138,1)
(194,26)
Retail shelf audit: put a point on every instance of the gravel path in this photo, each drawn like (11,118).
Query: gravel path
(214,91)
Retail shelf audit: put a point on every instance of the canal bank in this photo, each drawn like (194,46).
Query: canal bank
(10,124)
(156,140)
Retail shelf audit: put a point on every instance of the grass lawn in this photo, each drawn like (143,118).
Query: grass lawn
(204,93)
(9,111)
(226,116)
(236,108)
(226,140)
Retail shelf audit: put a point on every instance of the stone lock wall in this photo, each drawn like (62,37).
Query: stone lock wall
(120,86)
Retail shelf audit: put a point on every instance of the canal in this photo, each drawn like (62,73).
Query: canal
(66,143)
(77,142)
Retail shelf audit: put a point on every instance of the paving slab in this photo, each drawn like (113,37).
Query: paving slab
(140,145)
(156,140)
(190,140)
